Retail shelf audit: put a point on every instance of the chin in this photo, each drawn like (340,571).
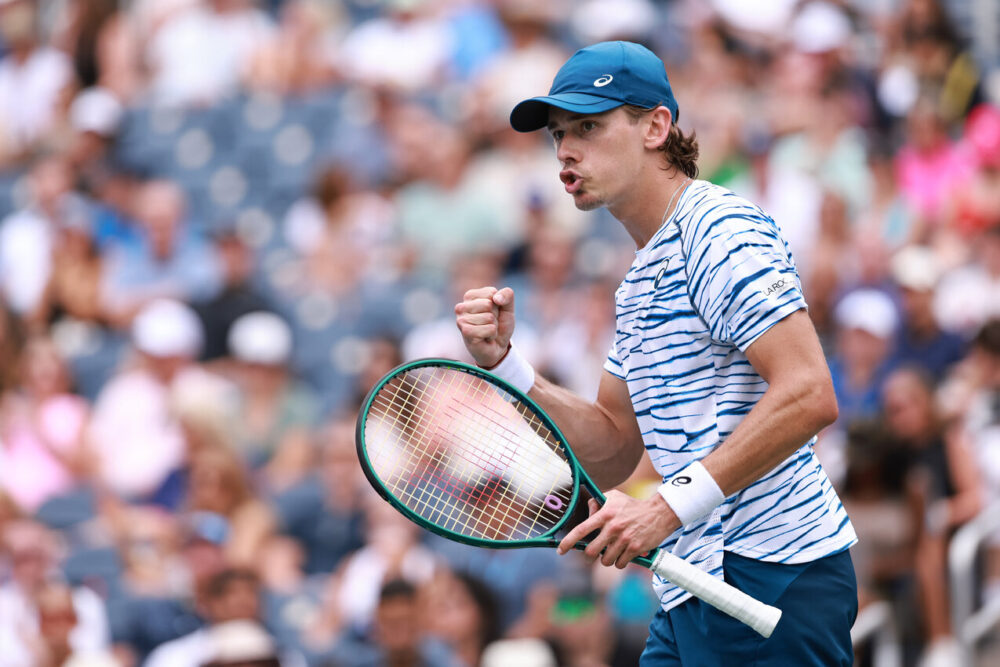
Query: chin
(585,203)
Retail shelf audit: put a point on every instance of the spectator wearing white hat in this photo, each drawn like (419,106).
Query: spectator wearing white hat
(136,437)
(920,340)
(866,321)
(94,117)
(278,411)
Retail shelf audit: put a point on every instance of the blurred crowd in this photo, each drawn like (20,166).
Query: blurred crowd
(221,221)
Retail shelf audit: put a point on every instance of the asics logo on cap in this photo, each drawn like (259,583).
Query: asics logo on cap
(603,81)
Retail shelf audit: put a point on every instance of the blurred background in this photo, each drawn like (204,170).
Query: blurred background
(222,220)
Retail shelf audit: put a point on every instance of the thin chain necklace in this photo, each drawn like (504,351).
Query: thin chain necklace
(671,202)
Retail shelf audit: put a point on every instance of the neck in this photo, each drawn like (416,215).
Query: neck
(642,216)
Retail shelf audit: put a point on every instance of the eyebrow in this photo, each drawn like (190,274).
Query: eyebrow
(572,117)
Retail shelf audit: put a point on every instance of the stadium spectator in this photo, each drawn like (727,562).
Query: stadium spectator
(413,28)
(240,294)
(34,553)
(172,261)
(976,205)
(201,51)
(919,339)
(168,600)
(42,427)
(930,167)
(344,234)
(34,80)
(393,549)
(886,508)
(74,286)
(827,269)
(301,56)
(95,116)
(395,638)
(969,294)
(230,604)
(866,323)
(324,512)
(444,194)
(971,397)
(461,611)
(27,236)
(218,485)
(137,440)
(941,465)
(278,410)
(57,620)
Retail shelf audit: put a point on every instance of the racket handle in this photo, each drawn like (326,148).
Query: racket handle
(719,594)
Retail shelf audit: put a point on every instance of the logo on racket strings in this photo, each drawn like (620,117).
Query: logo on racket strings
(680,480)
(553,502)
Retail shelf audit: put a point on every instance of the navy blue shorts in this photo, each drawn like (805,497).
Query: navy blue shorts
(819,602)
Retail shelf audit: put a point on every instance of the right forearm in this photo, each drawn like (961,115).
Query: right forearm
(609,447)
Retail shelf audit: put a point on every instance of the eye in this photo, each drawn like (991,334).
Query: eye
(587,125)
(557,134)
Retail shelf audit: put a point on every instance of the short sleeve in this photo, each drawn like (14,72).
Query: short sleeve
(741,276)
(613,363)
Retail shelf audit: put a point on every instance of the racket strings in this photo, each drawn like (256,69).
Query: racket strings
(467,456)
(419,488)
(479,454)
(447,484)
(418,464)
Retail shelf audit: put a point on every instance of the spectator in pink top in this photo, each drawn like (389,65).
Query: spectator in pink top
(41,428)
(929,166)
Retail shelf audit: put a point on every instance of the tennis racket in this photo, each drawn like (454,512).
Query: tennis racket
(463,454)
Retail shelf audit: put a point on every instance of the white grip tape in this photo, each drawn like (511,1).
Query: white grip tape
(515,370)
(759,616)
(692,493)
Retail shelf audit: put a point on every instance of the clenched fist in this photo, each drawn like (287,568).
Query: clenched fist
(486,319)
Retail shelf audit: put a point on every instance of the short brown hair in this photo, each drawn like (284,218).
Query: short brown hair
(680,150)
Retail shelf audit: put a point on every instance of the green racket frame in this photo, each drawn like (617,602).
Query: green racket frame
(548,538)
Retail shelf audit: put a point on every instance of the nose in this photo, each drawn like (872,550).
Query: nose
(566,153)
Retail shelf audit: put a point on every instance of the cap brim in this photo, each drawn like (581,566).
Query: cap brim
(533,114)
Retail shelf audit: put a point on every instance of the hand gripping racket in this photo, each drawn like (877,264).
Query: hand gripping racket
(465,455)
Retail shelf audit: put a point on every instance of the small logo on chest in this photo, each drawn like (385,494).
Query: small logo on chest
(661,273)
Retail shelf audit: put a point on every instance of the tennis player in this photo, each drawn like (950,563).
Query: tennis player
(715,371)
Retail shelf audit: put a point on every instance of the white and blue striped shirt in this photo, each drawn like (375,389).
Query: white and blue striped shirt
(712,279)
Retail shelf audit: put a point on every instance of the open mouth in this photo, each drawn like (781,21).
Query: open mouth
(572,180)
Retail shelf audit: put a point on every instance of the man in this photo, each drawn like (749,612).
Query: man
(230,604)
(171,260)
(715,370)
(33,78)
(396,639)
(26,630)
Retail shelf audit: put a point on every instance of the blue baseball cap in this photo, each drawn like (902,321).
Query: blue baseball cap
(598,78)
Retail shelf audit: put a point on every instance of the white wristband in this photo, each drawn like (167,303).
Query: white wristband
(692,493)
(515,370)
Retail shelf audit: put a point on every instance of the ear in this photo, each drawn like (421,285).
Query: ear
(658,128)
